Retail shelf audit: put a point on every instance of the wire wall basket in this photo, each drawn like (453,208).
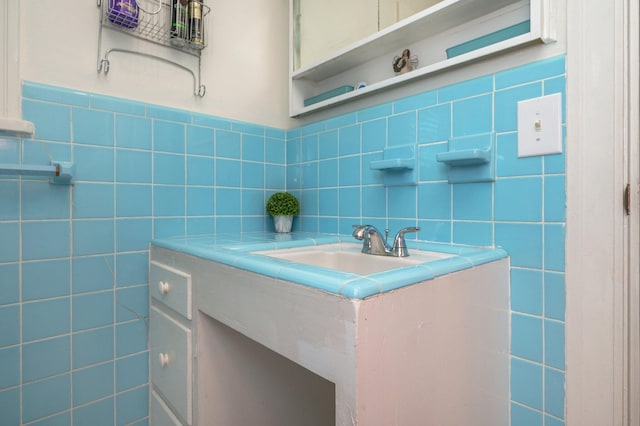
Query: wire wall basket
(179,24)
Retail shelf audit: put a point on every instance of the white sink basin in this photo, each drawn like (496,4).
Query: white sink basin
(347,257)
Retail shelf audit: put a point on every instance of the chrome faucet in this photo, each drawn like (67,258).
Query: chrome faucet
(373,243)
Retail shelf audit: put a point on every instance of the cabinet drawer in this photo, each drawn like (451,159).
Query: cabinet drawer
(171,364)
(171,287)
(161,415)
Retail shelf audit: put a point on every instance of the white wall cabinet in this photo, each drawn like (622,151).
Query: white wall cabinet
(428,34)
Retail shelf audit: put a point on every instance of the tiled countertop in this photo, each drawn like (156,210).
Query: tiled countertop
(238,251)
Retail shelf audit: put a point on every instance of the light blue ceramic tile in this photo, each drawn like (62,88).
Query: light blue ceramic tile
(44,279)
(248,128)
(131,338)
(537,70)
(554,344)
(294,177)
(293,151)
(92,383)
(133,200)
(526,291)
(309,175)
(518,199)
(434,124)
(523,242)
(46,397)
(124,106)
(93,237)
(472,233)
(201,225)
(349,202)
(374,112)
(9,325)
(466,89)
(231,224)
(410,103)
(227,144)
(228,173)
(552,421)
(133,132)
(133,166)
(228,201)
(554,392)
(10,196)
(168,137)
(328,173)
(274,177)
(430,169)
(526,337)
(10,406)
(211,121)
(92,310)
(403,129)
(341,121)
(93,163)
(10,149)
(374,202)
(402,201)
(272,132)
(54,94)
(253,148)
(170,114)
(349,171)
(100,413)
(328,225)
(372,176)
(92,347)
(200,141)
(345,224)
(168,169)
(52,122)
(293,133)
(41,200)
(253,202)
(133,234)
(554,242)
(435,230)
(132,405)
(56,244)
(309,203)
(46,318)
(41,153)
(309,148)
(349,140)
(46,358)
(93,273)
(328,144)
(171,227)
(93,200)
(132,371)
(200,201)
(526,383)
(132,303)
(554,199)
(374,135)
(168,200)
(558,85)
(554,295)
(507,161)
(252,175)
(434,200)
(275,151)
(525,416)
(132,269)
(472,116)
(10,283)
(318,127)
(92,127)
(200,171)
(10,247)
(506,105)
(60,419)
(328,202)
(9,368)
(555,163)
(472,201)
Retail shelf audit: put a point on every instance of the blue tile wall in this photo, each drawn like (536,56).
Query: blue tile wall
(73,259)
(523,211)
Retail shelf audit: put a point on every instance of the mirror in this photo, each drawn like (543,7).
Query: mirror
(321,28)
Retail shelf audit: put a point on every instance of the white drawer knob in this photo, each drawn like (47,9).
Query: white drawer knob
(163,287)
(164,359)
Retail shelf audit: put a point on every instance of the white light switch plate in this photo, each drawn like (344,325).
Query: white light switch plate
(540,126)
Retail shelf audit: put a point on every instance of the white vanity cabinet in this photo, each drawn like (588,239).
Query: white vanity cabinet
(171,350)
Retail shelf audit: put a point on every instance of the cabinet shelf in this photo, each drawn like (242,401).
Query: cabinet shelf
(428,34)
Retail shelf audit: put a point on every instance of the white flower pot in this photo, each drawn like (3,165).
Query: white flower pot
(283,223)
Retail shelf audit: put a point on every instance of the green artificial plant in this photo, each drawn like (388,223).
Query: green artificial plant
(282,204)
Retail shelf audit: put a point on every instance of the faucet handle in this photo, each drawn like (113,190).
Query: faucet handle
(358,232)
(399,244)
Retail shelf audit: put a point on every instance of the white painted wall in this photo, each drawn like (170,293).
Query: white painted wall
(245,66)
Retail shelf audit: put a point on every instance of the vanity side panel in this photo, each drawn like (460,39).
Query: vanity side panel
(437,352)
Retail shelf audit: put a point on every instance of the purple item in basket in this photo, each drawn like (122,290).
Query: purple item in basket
(124,13)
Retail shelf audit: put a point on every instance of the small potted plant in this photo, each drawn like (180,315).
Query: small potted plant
(282,206)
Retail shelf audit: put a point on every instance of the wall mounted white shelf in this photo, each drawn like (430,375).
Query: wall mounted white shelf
(427,34)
